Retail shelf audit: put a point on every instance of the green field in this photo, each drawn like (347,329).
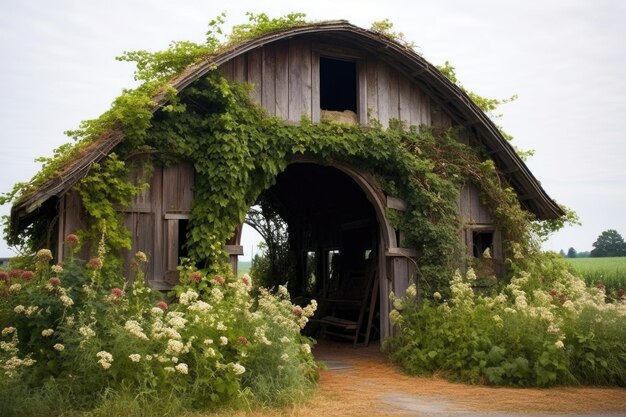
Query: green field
(608,271)
(243,267)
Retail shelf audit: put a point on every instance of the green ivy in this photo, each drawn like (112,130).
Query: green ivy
(238,150)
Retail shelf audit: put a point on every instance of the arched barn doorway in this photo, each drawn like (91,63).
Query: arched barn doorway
(338,241)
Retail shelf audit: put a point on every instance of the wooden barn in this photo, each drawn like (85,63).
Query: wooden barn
(331,68)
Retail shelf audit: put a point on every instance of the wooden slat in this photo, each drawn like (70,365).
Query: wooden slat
(404,99)
(299,79)
(268,99)
(361,68)
(400,276)
(61,231)
(227,70)
(414,107)
(392,108)
(426,112)
(372,88)
(255,74)
(171,257)
(282,79)
(315,87)
(157,260)
(177,194)
(383,93)
(240,70)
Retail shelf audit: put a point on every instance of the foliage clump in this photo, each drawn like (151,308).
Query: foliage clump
(544,328)
(80,337)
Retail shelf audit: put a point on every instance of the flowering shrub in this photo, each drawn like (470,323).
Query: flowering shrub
(537,331)
(214,346)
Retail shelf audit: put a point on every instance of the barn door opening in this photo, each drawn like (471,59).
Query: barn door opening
(332,239)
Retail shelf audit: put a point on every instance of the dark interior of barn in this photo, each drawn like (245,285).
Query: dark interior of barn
(333,243)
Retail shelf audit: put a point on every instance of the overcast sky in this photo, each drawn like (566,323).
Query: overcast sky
(565,59)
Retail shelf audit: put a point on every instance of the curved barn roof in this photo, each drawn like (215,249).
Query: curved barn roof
(442,91)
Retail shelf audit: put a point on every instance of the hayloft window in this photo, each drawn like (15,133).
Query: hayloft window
(338,85)
(481,241)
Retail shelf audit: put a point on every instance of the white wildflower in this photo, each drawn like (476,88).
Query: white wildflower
(188,297)
(282,291)
(437,296)
(8,330)
(559,344)
(208,342)
(169,369)
(135,329)
(285,339)
(66,301)
(15,288)
(135,357)
(238,369)
(175,347)
(220,326)
(59,347)
(86,332)
(411,291)
(200,306)
(306,348)
(223,340)
(182,368)
(47,332)
(57,269)
(216,295)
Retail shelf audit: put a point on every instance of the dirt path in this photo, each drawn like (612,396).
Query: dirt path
(360,382)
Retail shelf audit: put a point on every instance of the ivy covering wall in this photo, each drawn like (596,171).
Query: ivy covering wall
(237,151)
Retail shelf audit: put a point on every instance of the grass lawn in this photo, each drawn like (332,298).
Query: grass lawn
(608,271)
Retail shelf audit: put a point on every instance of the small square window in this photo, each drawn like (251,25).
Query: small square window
(338,85)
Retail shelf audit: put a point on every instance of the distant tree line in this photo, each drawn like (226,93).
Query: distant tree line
(609,244)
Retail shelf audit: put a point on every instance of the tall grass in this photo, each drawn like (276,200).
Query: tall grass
(611,272)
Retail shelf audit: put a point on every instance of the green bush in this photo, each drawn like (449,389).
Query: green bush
(540,330)
(74,340)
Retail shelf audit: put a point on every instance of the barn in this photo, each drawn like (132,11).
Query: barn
(322,70)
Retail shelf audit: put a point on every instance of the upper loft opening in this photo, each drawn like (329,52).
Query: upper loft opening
(338,85)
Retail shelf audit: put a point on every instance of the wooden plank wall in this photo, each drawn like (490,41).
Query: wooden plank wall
(285,81)
(470,207)
(147,219)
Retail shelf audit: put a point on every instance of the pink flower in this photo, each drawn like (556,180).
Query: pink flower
(600,286)
(562,299)
(72,240)
(162,305)
(15,273)
(27,275)
(95,263)
(4,276)
(54,281)
(243,340)
(297,311)
(620,293)
(552,292)
(195,276)
(218,279)
(117,292)
(246,280)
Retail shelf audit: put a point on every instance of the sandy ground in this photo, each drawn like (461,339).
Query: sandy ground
(361,382)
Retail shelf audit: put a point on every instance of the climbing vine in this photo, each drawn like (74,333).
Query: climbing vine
(237,151)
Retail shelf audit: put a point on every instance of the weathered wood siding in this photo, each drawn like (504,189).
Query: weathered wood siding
(285,81)
(152,220)
(148,219)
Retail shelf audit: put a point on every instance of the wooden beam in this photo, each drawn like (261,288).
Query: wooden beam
(176,216)
(396,203)
(234,249)
(404,252)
